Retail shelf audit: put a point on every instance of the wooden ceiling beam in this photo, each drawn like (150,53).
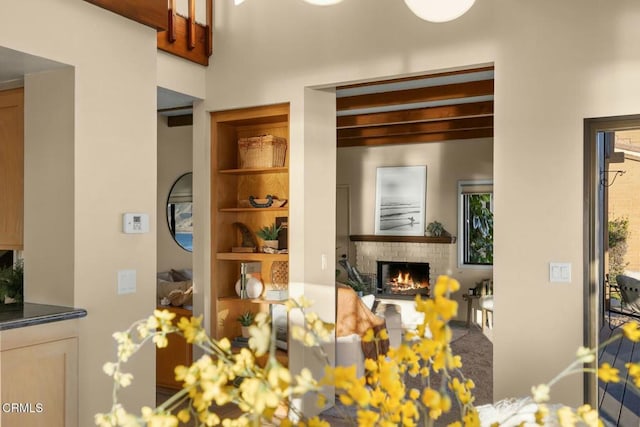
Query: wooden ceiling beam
(417,115)
(419,77)
(425,94)
(416,138)
(416,128)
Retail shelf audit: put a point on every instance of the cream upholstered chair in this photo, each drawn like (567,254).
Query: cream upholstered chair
(349,348)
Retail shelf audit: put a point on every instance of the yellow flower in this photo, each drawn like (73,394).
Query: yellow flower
(184,415)
(634,372)
(367,418)
(585,355)
(368,336)
(631,330)
(540,393)
(260,339)
(192,329)
(279,377)
(160,340)
(471,418)
(589,415)
(383,334)
(608,374)
(317,422)
(566,417)
(541,414)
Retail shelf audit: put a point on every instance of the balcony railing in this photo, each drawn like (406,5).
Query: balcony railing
(178,32)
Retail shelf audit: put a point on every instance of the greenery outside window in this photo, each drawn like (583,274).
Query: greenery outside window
(475,224)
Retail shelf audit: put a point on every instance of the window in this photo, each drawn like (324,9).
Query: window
(475,224)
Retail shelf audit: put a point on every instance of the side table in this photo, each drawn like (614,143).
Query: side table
(469,299)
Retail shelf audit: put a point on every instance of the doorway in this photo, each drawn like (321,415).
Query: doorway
(612,248)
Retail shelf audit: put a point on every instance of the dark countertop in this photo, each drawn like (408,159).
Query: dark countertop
(28,314)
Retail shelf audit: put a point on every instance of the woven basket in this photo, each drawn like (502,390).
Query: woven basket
(266,151)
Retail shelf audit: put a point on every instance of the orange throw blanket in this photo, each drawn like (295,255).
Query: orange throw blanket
(353,317)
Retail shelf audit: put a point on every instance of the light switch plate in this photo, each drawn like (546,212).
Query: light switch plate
(560,272)
(126,282)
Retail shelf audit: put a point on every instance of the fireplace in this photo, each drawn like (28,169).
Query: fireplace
(402,279)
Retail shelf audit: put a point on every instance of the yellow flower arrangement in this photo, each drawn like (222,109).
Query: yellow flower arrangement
(380,397)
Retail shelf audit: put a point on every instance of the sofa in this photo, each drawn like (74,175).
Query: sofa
(175,288)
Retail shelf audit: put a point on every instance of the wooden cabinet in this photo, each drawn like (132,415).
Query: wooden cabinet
(11,168)
(40,375)
(178,352)
(231,186)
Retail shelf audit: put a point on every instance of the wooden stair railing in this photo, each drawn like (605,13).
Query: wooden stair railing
(185,37)
(177,35)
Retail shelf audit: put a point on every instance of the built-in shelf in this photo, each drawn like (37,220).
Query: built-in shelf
(253,171)
(402,239)
(282,209)
(253,300)
(251,256)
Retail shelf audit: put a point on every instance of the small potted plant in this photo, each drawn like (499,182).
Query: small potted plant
(12,284)
(269,234)
(246,320)
(435,229)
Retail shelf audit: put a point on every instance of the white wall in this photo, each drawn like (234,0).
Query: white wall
(113,159)
(175,154)
(556,63)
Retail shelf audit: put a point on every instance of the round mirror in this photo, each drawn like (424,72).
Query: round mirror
(179,215)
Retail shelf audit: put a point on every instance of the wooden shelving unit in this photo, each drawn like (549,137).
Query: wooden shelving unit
(230,185)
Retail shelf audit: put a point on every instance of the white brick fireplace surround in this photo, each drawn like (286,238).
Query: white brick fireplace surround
(439,256)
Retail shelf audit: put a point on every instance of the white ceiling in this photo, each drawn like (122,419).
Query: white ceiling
(14,65)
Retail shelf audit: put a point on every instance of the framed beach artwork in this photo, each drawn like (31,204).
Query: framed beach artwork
(400,200)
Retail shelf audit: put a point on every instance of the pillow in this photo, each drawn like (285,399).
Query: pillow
(165,287)
(164,275)
(181,275)
(369,300)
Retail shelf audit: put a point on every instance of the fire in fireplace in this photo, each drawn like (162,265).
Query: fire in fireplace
(398,279)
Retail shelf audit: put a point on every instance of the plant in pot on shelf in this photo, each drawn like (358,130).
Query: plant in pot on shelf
(12,284)
(269,234)
(435,229)
(246,320)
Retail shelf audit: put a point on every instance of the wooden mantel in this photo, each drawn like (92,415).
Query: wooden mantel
(402,239)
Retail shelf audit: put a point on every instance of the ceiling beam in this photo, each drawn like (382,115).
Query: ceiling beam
(417,115)
(425,94)
(416,138)
(417,128)
(418,77)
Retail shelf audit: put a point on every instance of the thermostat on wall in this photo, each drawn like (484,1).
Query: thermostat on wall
(135,223)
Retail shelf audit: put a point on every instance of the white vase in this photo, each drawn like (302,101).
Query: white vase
(254,288)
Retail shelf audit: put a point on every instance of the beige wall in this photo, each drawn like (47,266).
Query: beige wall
(174,159)
(552,70)
(48,182)
(113,164)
